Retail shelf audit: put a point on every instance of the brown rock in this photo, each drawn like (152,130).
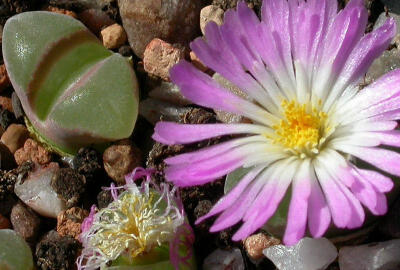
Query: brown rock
(197,63)
(14,137)
(113,36)
(69,222)
(4,79)
(32,151)
(6,103)
(25,222)
(4,223)
(61,11)
(160,56)
(175,21)
(120,159)
(211,13)
(256,243)
(95,19)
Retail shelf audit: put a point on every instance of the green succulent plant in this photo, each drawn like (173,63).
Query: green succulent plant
(73,90)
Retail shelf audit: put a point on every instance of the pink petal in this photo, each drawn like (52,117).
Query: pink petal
(367,50)
(337,202)
(203,90)
(233,196)
(297,216)
(368,195)
(357,215)
(235,212)
(210,151)
(380,182)
(173,133)
(319,216)
(381,158)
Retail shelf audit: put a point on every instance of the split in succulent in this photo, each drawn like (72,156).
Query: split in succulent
(73,90)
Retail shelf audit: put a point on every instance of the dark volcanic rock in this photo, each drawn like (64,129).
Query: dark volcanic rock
(55,252)
(69,185)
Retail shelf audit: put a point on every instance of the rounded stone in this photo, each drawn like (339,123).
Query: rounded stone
(175,21)
(120,159)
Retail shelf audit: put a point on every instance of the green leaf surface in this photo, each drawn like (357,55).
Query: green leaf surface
(15,253)
(73,90)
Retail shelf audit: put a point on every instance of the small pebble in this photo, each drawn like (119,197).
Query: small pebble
(69,222)
(224,260)
(32,151)
(374,256)
(25,222)
(4,223)
(125,50)
(37,193)
(160,56)
(4,79)
(104,198)
(153,110)
(88,162)
(175,21)
(202,208)
(169,92)
(307,254)
(6,119)
(7,183)
(120,159)
(61,11)
(95,19)
(256,243)
(69,185)
(55,252)
(113,36)
(6,103)
(211,13)
(16,106)
(14,137)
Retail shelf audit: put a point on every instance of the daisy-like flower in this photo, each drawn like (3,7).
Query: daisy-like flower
(301,67)
(138,221)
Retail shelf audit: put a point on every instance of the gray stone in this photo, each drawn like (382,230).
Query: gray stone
(36,192)
(25,222)
(154,110)
(175,21)
(308,254)
(392,5)
(224,260)
(375,256)
(388,61)
(169,92)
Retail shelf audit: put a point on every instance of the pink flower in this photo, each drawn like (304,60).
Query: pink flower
(300,66)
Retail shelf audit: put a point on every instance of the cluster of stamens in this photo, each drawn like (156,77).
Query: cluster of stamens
(302,128)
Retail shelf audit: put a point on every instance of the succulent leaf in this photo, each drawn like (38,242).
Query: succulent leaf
(73,90)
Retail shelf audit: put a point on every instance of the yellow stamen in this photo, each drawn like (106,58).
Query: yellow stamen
(302,129)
